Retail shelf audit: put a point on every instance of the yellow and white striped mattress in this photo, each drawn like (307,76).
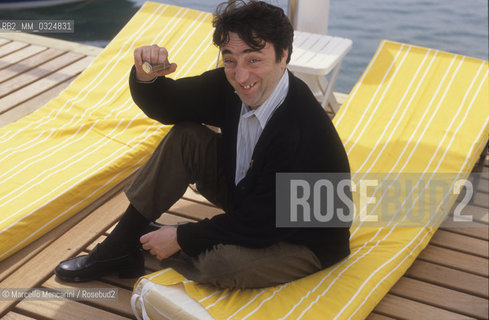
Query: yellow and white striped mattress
(415,112)
(62,157)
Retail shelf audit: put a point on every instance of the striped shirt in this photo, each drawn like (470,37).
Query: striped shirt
(251,125)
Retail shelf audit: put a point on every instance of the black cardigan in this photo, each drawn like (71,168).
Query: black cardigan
(299,137)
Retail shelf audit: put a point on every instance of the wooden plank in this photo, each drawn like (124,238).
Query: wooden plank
(64,309)
(39,72)
(480,199)
(193,195)
(16,316)
(482,184)
(449,278)
(41,266)
(378,316)
(20,55)
(193,210)
(4,41)
(120,306)
(52,43)
(475,213)
(402,308)
(33,104)
(480,190)
(461,243)
(444,298)
(108,231)
(455,260)
(472,229)
(47,83)
(29,63)
(11,47)
(171,219)
(121,283)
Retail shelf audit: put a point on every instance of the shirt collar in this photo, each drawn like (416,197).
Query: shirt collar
(265,111)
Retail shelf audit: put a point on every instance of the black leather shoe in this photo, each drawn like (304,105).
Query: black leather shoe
(90,267)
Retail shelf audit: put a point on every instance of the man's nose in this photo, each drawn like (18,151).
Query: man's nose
(241,73)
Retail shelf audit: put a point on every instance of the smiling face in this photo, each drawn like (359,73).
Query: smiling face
(254,74)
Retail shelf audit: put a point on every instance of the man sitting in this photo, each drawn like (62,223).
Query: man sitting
(270,123)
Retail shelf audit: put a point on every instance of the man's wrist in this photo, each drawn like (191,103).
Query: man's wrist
(146,81)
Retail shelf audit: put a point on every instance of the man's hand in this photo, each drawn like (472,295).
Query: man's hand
(154,55)
(161,243)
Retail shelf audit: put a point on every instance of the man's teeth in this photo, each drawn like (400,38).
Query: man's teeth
(249,86)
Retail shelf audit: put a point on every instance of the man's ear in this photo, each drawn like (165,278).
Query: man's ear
(283,59)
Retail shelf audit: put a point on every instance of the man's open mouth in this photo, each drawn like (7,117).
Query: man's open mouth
(249,86)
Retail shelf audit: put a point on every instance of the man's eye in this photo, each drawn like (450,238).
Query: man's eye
(228,61)
(254,60)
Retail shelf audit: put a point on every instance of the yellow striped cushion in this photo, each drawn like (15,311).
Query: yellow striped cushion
(414,110)
(57,160)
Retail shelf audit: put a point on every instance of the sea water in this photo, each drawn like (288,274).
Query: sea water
(458,26)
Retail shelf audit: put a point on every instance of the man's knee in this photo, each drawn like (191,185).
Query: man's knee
(188,129)
(220,260)
(221,267)
(190,136)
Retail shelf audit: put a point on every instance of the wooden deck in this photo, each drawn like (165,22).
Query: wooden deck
(449,280)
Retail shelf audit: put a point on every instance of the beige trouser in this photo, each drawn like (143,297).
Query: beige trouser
(189,154)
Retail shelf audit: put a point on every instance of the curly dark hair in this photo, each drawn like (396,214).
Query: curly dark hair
(256,23)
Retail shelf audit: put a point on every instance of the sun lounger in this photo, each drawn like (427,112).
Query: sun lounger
(416,114)
(59,159)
